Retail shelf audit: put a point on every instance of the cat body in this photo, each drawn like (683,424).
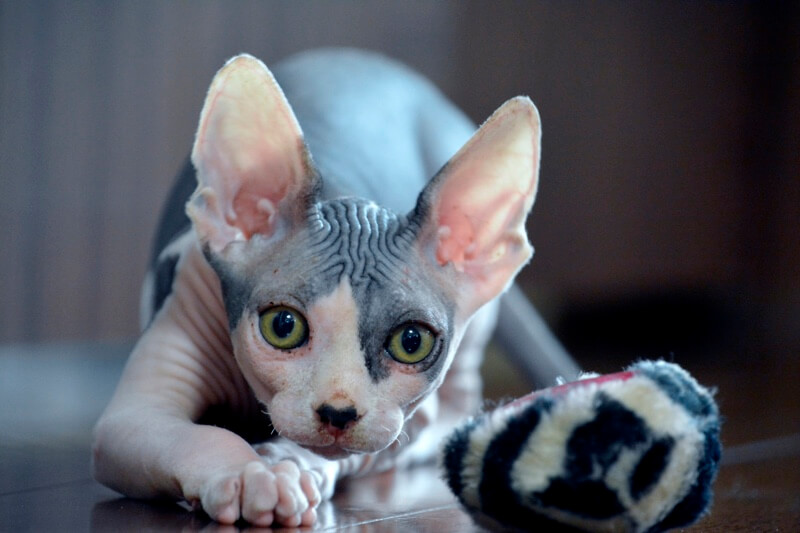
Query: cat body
(323,309)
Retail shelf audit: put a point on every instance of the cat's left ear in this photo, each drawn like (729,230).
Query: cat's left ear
(472,214)
(254,172)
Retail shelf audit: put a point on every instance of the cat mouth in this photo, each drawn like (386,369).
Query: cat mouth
(340,446)
(332,451)
(331,442)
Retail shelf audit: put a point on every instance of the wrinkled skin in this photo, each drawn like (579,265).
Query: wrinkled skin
(256,213)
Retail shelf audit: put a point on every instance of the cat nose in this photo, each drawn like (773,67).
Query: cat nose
(338,418)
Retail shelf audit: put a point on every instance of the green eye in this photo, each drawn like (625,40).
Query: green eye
(283,327)
(410,343)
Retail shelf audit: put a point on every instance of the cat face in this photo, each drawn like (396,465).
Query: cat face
(340,328)
(344,316)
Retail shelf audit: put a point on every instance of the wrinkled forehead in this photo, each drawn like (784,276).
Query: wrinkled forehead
(361,241)
(347,239)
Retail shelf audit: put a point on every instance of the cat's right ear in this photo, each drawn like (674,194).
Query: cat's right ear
(254,172)
(472,214)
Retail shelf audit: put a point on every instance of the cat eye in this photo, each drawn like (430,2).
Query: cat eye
(410,343)
(283,327)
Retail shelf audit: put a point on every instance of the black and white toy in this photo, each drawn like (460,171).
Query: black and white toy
(633,451)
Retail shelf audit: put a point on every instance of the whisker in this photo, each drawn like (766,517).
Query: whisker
(403,432)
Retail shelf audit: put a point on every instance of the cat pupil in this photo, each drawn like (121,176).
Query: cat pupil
(283,324)
(411,340)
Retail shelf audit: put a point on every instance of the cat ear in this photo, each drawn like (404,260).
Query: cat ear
(254,171)
(472,214)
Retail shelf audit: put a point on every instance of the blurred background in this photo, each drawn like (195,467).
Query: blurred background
(667,219)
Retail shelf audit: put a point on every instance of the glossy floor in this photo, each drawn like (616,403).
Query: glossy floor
(49,397)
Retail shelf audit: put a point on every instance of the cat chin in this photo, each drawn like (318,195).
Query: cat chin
(330,452)
(337,451)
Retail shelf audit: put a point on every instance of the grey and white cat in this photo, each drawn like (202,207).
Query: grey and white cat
(325,312)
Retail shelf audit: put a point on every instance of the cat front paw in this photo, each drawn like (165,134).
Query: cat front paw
(263,495)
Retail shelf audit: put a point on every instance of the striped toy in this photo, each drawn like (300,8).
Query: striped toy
(633,451)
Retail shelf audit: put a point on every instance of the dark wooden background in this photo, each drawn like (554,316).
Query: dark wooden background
(670,192)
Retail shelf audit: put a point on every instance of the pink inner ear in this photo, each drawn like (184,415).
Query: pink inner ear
(256,201)
(474,229)
(483,198)
(249,151)
(489,187)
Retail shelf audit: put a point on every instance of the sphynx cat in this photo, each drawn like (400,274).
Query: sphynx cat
(323,310)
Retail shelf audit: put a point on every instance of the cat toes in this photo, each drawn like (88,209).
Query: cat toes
(310,482)
(260,495)
(221,499)
(292,499)
(308,518)
(264,495)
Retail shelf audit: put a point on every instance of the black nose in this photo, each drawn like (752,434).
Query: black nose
(338,418)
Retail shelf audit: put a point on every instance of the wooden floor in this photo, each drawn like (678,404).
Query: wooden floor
(49,397)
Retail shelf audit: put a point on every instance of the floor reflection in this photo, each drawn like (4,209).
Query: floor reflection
(45,483)
(415,500)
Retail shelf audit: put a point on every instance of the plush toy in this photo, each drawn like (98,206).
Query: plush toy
(633,451)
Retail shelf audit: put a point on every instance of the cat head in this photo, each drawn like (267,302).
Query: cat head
(345,316)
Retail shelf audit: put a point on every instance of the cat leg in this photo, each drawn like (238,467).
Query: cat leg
(146,444)
(209,467)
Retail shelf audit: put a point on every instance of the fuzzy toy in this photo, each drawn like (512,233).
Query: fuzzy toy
(633,451)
